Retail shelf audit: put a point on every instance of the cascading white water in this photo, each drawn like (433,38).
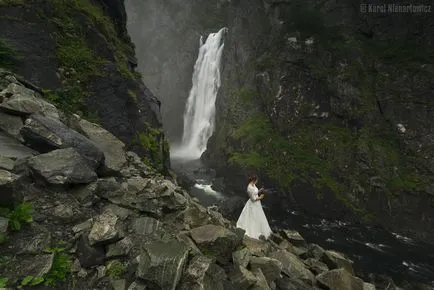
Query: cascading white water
(200,108)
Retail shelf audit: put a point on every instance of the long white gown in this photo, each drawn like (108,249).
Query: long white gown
(252,219)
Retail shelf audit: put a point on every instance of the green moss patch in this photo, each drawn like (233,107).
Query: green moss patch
(152,142)
(8,55)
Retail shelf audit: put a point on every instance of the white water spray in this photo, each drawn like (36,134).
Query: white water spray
(199,112)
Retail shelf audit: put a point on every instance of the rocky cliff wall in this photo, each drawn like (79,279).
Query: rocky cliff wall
(81,57)
(333,106)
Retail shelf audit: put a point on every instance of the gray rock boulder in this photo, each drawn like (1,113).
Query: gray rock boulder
(89,256)
(4,222)
(339,279)
(270,267)
(28,265)
(315,251)
(201,275)
(257,247)
(11,125)
(146,226)
(6,163)
(242,278)
(62,166)
(11,148)
(241,257)
(144,194)
(23,101)
(119,249)
(162,263)
(261,281)
(293,266)
(336,260)
(217,241)
(112,147)
(295,238)
(104,229)
(317,267)
(45,134)
(10,193)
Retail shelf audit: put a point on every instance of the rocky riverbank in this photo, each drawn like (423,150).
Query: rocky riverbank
(81,212)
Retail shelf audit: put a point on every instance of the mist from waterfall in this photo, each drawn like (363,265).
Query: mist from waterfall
(199,114)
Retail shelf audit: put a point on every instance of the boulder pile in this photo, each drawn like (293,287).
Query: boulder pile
(102,219)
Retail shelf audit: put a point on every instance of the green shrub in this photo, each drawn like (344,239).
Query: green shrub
(60,269)
(19,215)
(116,269)
(3,282)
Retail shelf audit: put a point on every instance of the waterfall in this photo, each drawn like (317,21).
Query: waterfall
(199,111)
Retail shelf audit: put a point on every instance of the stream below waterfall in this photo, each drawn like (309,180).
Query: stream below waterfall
(373,249)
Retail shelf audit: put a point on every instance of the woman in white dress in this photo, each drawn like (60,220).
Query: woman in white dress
(252,218)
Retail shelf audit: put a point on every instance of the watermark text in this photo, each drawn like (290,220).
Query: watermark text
(390,8)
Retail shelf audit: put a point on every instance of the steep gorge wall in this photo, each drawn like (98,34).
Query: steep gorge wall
(80,55)
(334,107)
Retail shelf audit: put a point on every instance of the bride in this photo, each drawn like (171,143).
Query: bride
(252,218)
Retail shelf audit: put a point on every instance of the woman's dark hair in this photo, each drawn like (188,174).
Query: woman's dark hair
(252,177)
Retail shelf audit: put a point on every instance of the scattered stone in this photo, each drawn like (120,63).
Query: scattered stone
(295,238)
(162,263)
(315,251)
(31,265)
(87,225)
(11,125)
(216,240)
(195,215)
(35,244)
(184,238)
(136,285)
(146,226)
(317,267)
(270,267)
(104,229)
(261,281)
(111,146)
(119,249)
(45,134)
(199,275)
(10,193)
(4,222)
(13,149)
(85,194)
(102,271)
(22,101)
(89,256)
(287,283)
(368,286)
(63,212)
(6,163)
(121,212)
(292,266)
(63,166)
(335,260)
(257,247)
(119,284)
(401,128)
(241,257)
(242,278)
(339,279)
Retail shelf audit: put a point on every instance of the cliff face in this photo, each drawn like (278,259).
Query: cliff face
(80,55)
(166,35)
(333,106)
